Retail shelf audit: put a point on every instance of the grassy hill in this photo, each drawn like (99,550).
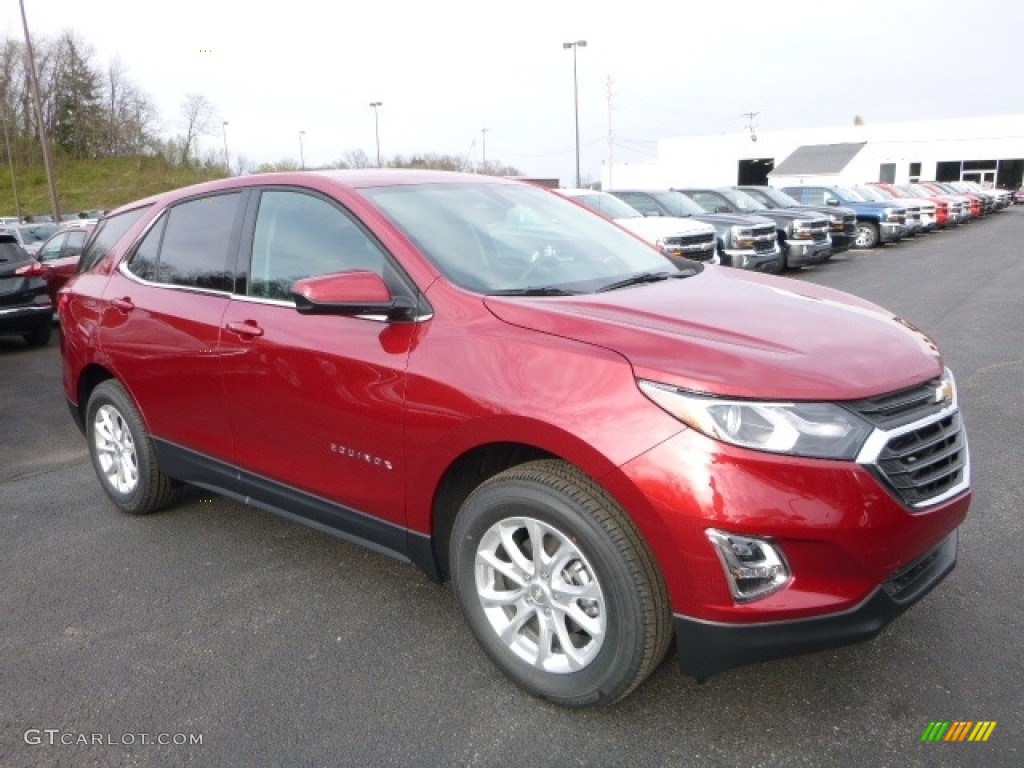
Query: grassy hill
(89,184)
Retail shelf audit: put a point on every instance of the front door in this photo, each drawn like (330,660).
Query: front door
(316,401)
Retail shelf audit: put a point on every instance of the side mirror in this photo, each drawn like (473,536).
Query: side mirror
(355,292)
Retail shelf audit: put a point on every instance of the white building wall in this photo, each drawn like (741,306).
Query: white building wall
(714,160)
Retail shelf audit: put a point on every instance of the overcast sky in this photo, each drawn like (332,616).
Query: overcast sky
(446,70)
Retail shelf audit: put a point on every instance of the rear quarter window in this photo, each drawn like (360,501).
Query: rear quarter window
(109,231)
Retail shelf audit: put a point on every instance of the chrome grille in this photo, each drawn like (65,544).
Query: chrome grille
(919,449)
(903,407)
(689,241)
(925,462)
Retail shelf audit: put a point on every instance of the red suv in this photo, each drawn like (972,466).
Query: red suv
(601,448)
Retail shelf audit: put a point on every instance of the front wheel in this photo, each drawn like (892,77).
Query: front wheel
(557,586)
(867,235)
(123,454)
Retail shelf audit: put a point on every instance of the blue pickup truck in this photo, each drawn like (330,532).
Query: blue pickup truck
(877,221)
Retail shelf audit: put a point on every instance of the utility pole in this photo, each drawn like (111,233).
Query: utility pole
(43,138)
(750,123)
(483,148)
(611,161)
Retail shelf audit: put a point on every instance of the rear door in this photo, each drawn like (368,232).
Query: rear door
(161,321)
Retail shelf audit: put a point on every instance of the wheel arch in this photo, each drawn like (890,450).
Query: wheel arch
(89,378)
(462,476)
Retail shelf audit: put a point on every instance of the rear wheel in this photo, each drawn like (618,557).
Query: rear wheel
(557,585)
(39,336)
(867,234)
(123,454)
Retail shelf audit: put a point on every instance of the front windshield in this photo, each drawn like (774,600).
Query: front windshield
(742,200)
(868,193)
(607,204)
(773,198)
(36,233)
(678,204)
(848,194)
(504,238)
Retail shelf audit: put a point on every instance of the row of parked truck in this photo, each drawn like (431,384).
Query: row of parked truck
(767,229)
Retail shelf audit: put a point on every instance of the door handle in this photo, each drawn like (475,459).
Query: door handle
(125,304)
(246,328)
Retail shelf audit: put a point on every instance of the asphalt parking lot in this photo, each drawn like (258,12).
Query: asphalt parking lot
(216,635)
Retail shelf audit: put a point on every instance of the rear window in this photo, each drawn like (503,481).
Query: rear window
(109,231)
(10,251)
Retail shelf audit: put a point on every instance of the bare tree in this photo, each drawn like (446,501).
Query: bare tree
(198,114)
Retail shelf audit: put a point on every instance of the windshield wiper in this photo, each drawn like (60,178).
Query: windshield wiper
(537,290)
(646,277)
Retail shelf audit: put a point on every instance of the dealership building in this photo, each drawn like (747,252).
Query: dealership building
(989,150)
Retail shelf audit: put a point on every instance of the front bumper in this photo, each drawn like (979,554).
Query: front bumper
(24,318)
(890,232)
(757,261)
(804,252)
(849,531)
(707,647)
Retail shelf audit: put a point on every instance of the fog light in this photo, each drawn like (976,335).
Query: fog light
(753,567)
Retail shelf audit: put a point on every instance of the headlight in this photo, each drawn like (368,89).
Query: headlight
(741,237)
(822,430)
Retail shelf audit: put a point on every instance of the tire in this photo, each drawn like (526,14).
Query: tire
(585,632)
(867,235)
(123,454)
(784,259)
(39,336)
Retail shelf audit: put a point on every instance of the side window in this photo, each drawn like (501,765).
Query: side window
(196,240)
(75,242)
(642,203)
(52,249)
(815,196)
(300,235)
(109,231)
(710,201)
(145,261)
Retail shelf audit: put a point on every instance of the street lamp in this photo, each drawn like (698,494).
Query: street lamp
(376,126)
(576,100)
(227,157)
(302,156)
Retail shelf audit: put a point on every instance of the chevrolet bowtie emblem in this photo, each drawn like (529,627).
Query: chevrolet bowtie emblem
(944,392)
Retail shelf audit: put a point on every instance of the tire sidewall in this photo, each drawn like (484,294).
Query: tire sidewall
(871,235)
(612,671)
(111,393)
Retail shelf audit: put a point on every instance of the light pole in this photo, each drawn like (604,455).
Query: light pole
(483,148)
(576,100)
(376,126)
(302,156)
(227,157)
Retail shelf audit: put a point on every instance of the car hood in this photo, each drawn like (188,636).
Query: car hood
(741,334)
(728,219)
(873,205)
(653,227)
